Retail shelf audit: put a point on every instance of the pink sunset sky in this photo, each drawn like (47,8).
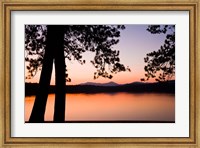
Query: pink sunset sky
(135,42)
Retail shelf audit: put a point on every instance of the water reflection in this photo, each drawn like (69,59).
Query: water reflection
(116,106)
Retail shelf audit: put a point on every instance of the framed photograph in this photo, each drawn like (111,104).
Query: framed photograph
(100,73)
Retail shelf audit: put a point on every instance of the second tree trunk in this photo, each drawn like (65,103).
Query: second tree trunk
(59,108)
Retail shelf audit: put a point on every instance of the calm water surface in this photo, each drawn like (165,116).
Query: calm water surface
(116,106)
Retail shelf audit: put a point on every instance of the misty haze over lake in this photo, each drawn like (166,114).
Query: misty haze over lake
(120,106)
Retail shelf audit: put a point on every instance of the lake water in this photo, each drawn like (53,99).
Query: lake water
(107,107)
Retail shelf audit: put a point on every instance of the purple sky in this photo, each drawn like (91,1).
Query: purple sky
(135,42)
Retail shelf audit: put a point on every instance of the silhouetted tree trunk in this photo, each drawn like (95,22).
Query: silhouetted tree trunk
(92,38)
(54,50)
(38,110)
(59,108)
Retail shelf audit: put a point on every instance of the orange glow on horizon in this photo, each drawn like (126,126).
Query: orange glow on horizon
(135,42)
(87,76)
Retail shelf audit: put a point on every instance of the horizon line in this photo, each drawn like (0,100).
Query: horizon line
(104,83)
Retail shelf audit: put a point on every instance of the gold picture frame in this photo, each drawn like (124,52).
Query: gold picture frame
(118,5)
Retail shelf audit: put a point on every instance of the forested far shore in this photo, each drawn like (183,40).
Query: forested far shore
(158,87)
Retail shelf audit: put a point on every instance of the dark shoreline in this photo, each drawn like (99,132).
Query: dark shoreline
(164,87)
